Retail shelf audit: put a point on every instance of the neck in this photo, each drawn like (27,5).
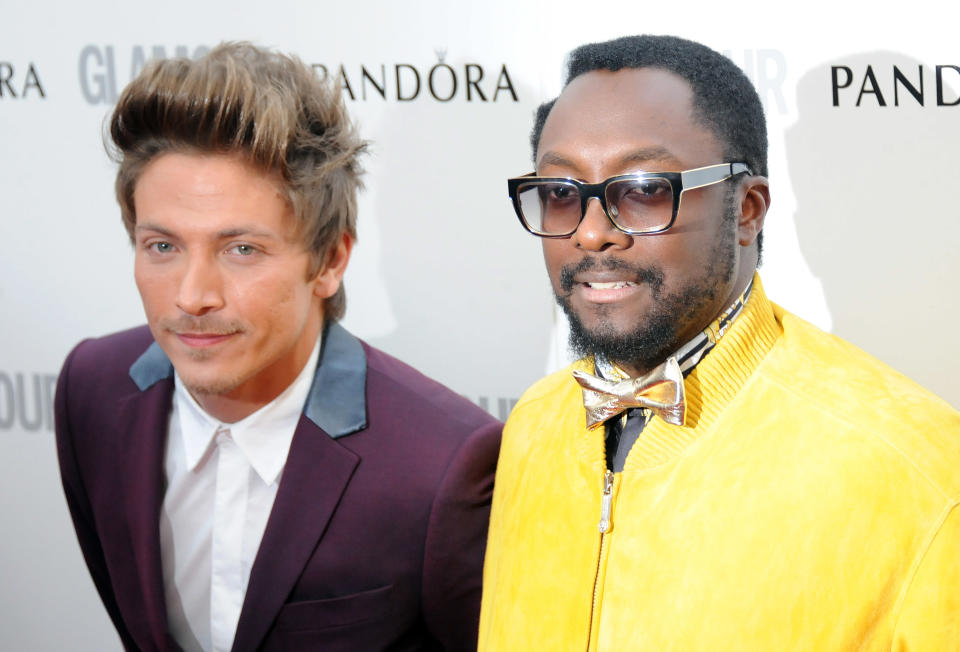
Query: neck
(229,410)
(266,385)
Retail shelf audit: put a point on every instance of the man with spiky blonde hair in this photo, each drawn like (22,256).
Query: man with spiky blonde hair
(243,473)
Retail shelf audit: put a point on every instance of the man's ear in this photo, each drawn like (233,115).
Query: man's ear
(753,209)
(327,280)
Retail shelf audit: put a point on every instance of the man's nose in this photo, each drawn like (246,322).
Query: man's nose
(596,232)
(201,287)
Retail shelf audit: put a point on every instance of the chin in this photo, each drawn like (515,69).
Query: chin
(209,384)
(640,344)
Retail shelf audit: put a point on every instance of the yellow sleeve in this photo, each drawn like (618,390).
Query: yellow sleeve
(930,612)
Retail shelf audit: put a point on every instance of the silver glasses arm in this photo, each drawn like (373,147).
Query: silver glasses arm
(699,177)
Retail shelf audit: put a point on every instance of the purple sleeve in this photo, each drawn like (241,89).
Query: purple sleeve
(456,540)
(80,509)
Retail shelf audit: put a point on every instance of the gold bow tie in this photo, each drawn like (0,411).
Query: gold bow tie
(661,390)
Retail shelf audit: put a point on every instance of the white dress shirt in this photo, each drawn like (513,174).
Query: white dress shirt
(221,483)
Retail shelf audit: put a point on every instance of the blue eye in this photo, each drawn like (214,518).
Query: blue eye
(162,247)
(244,249)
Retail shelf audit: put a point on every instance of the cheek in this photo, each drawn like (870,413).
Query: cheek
(280,303)
(154,288)
(140,276)
(691,244)
(675,251)
(554,258)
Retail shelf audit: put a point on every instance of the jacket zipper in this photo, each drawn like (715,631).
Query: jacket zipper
(605,526)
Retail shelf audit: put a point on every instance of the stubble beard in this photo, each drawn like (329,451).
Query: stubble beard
(213,387)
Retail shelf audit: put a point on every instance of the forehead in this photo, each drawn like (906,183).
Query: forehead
(626,119)
(209,190)
(207,174)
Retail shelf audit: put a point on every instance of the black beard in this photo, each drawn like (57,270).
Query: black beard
(644,346)
(649,343)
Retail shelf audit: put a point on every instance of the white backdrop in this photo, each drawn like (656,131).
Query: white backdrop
(861,237)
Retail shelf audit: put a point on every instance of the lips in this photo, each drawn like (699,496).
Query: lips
(203,340)
(603,280)
(604,287)
(609,285)
(608,274)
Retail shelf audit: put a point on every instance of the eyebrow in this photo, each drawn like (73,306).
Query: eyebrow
(220,235)
(146,226)
(241,231)
(643,155)
(648,154)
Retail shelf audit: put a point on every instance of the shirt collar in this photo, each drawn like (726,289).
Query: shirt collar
(264,437)
(690,354)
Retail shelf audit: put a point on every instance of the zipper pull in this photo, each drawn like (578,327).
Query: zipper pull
(605,524)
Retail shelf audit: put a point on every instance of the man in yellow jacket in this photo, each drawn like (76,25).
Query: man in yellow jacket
(714,473)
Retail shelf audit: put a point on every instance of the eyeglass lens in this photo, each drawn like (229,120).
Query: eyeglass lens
(637,205)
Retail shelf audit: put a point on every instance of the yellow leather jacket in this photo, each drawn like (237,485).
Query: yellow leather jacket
(809,503)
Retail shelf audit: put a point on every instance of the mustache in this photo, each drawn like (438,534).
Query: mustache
(652,276)
(201,325)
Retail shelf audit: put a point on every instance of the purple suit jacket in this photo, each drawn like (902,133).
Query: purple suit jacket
(377,534)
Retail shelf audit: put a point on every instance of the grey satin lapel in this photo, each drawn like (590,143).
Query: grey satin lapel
(151,367)
(337,403)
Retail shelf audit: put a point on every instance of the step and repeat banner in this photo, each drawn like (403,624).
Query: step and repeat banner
(861,239)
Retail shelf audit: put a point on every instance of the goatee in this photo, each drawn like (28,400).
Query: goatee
(650,342)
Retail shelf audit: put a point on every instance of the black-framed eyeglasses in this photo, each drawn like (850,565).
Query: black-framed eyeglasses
(645,203)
